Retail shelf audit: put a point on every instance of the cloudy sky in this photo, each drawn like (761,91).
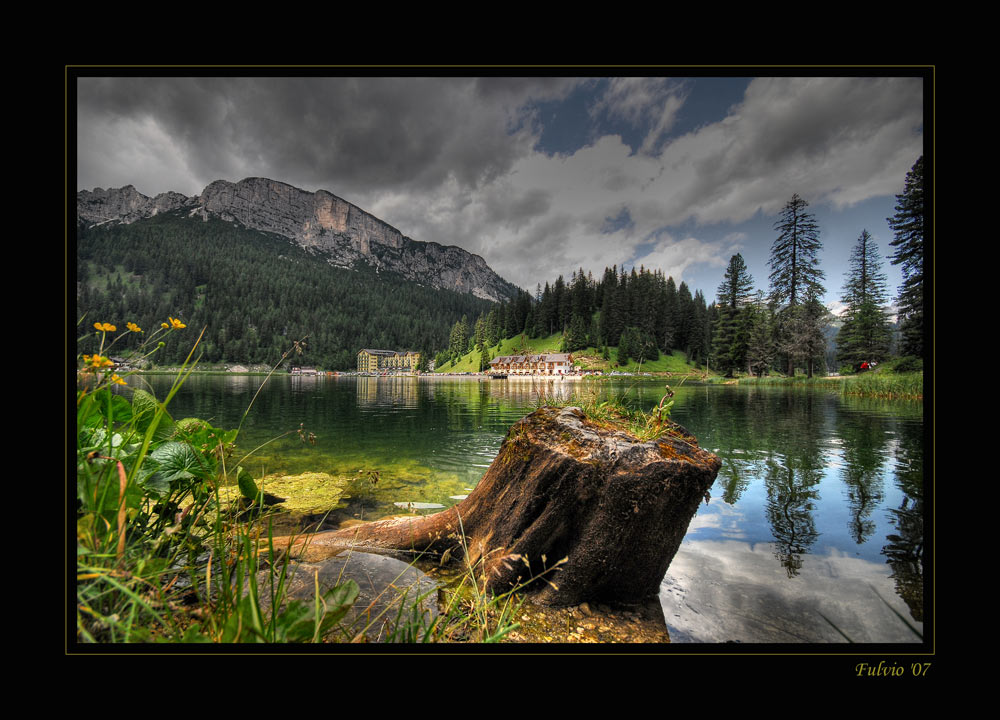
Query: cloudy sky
(540,176)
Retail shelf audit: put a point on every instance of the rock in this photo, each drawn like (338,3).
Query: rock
(320,222)
(124,204)
(579,511)
(385,586)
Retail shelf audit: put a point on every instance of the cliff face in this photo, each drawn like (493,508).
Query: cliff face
(320,222)
(124,205)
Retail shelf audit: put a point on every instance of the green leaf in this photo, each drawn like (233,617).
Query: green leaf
(176,462)
(248,488)
(121,409)
(144,408)
(297,622)
(194,635)
(339,601)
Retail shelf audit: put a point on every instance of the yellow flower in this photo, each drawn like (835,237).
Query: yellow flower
(116,379)
(133,327)
(174,323)
(105,327)
(97,362)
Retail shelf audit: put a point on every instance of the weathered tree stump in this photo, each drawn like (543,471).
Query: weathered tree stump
(564,486)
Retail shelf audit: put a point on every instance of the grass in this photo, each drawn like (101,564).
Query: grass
(469,612)
(886,385)
(160,557)
(588,358)
(613,411)
(879,383)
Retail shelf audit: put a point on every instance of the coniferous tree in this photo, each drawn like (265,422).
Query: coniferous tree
(803,341)
(865,333)
(795,272)
(796,282)
(575,337)
(760,343)
(480,333)
(669,315)
(730,337)
(908,226)
(701,329)
(458,340)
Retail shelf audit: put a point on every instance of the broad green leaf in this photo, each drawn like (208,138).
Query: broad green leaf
(144,408)
(120,411)
(176,462)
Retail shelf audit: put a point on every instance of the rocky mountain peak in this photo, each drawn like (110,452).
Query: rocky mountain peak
(319,221)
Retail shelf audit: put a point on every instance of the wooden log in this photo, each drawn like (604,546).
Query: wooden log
(564,486)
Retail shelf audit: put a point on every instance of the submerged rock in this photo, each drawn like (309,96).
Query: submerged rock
(385,585)
(306,494)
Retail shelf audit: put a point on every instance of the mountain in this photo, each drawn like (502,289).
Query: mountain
(320,222)
(253,292)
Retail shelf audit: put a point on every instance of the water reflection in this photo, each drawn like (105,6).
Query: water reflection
(819,499)
(904,550)
(721,591)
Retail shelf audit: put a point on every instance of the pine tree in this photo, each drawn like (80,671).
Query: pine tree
(865,334)
(795,273)
(730,338)
(908,226)
(760,344)
(803,341)
(796,283)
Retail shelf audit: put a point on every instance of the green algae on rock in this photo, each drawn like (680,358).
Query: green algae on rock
(307,493)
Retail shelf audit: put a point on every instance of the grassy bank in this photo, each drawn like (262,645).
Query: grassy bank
(871,384)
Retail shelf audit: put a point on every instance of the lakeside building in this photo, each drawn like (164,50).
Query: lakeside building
(548,364)
(379,361)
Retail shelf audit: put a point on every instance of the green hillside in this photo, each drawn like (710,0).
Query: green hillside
(586,359)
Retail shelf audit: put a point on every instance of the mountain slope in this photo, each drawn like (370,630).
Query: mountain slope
(253,292)
(322,223)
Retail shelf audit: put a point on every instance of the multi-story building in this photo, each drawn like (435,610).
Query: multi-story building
(548,364)
(380,361)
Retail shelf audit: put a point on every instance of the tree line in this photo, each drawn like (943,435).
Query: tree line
(642,313)
(255,294)
(784,329)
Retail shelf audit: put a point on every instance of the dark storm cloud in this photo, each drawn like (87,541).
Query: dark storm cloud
(537,175)
(352,135)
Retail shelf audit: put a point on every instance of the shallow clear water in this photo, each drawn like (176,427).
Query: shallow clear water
(814,532)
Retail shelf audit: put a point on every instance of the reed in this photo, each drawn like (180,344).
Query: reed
(886,385)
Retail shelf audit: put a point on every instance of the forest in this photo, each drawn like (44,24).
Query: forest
(254,293)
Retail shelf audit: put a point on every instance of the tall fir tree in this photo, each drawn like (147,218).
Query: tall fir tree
(796,283)
(908,225)
(795,273)
(731,331)
(865,333)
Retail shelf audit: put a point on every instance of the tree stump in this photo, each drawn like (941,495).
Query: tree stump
(563,486)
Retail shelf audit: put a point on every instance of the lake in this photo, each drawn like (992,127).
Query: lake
(813,533)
